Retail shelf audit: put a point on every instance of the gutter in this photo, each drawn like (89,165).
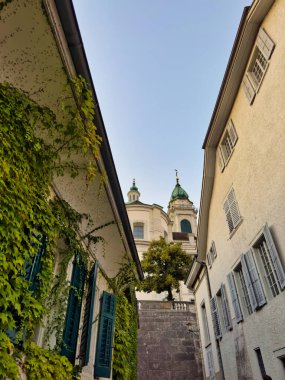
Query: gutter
(72,34)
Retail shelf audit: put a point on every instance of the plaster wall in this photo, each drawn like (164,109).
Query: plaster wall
(256,171)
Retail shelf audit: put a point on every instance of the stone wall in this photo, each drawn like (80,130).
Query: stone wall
(169,344)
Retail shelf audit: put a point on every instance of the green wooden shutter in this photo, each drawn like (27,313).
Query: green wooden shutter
(88,318)
(31,270)
(103,356)
(72,319)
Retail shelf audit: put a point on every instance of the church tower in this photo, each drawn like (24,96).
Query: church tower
(183,218)
(133,194)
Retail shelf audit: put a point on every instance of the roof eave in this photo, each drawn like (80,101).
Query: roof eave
(72,34)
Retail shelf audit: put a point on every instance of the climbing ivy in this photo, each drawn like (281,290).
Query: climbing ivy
(35,147)
(126,339)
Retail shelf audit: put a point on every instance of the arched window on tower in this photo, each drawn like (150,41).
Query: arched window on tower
(185,226)
(138,230)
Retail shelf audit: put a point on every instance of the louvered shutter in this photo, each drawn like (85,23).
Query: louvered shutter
(274,257)
(232,132)
(257,286)
(88,318)
(103,358)
(210,364)
(226,310)
(233,208)
(235,299)
(215,317)
(72,319)
(248,283)
(228,215)
(265,43)
(209,259)
(220,158)
(248,89)
(32,270)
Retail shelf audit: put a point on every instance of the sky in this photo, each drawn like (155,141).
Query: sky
(157,67)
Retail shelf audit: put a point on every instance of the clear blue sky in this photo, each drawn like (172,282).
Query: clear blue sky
(157,66)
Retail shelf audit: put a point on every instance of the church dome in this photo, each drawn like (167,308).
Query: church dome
(178,193)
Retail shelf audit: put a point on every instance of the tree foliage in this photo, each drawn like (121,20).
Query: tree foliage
(165,264)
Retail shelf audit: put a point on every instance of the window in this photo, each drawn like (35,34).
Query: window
(270,264)
(227,144)
(211,255)
(216,317)
(185,226)
(232,211)
(258,65)
(138,231)
(210,364)
(244,291)
(72,319)
(205,324)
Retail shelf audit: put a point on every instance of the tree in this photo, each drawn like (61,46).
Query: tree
(164,264)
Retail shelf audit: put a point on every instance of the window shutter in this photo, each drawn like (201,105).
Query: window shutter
(232,132)
(210,364)
(248,283)
(233,208)
(265,43)
(209,259)
(88,317)
(103,357)
(31,270)
(234,295)
(220,158)
(214,250)
(215,317)
(248,89)
(274,257)
(226,310)
(256,283)
(228,215)
(72,319)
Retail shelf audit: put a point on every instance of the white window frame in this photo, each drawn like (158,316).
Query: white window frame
(206,331)
(259,61)
(227,144)
(231,209)
(269,263)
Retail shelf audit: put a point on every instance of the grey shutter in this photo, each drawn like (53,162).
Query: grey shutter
(228,215)
(215,317)
(232,132)
(214,250)
(209,259)
(265,43)
(234,295)
(220,158)
(226,310)
(210,364)
(233,208)
(248,89)
(248,283)
(274,257)
(257,286)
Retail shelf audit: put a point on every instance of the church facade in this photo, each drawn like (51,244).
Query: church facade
(150,222)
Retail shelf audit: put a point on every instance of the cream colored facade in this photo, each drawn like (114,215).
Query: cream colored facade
(242,213)
(41,49)
(150,222)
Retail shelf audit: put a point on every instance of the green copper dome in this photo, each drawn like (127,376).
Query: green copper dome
(178,193)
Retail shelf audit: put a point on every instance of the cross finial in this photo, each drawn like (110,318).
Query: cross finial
(134,182)
(177,178)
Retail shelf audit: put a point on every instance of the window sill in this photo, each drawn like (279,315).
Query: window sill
(235,229)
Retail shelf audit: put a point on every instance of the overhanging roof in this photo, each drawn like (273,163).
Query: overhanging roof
(72,34)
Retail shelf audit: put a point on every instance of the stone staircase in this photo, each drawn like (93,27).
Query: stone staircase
(169,344)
